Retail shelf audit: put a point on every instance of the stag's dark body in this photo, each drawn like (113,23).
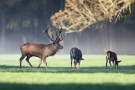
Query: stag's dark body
(40,50)
(112,57)
(76,54)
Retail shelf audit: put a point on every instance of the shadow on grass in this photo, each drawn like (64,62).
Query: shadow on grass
(121,69)
(70,86)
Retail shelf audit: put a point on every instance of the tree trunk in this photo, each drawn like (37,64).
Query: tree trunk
(111,38)
(124,41)
(35,34)
(3,33)
(24,39)
(106,37)
(111,34)
(103,39)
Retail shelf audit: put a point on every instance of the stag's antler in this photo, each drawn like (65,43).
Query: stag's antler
(46,32)
(58,33)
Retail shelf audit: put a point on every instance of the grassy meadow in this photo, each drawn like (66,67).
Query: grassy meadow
(91,75)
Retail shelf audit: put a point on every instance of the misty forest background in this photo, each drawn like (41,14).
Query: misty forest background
(23,21)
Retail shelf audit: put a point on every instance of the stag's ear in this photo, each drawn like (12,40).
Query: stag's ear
(119,61)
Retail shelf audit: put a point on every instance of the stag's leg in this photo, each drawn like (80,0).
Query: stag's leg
(44,60)
(27,59)
(40,62)
(22,57)
(110,64)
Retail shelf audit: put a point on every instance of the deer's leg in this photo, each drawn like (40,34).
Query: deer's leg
(22,57)
(75,63)
(71,57)
(110,64)
(106,61)
(40,62)
(114,64)
(79,64)
(71,63)
(44,60)
(27,59)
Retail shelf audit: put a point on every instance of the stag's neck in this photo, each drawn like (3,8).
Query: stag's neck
(52,50)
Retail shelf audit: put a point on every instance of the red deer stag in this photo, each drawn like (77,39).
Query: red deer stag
(40,50)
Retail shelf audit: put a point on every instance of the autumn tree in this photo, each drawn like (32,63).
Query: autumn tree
(80,14)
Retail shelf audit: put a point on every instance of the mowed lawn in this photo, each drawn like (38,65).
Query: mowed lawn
(91,75)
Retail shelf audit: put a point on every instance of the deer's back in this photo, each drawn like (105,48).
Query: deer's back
(111,55)
(32,49)
(76,53)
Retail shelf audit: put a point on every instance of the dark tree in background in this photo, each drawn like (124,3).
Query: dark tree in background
(24,20)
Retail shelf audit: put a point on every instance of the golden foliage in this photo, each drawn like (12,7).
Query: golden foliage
(80,14)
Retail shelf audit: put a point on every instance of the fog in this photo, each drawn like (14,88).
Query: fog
(90,42)
(24,25)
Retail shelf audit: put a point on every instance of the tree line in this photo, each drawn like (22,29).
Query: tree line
(21,18)
(102,25)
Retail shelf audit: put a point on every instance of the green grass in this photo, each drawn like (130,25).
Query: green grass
(91,75)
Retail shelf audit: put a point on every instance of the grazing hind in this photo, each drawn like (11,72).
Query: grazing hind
(112,56)
(76,54)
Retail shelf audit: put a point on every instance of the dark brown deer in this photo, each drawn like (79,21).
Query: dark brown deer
(76,54)
(112,56)
(40,50)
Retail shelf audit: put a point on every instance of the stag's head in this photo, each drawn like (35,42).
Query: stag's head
(58,36)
